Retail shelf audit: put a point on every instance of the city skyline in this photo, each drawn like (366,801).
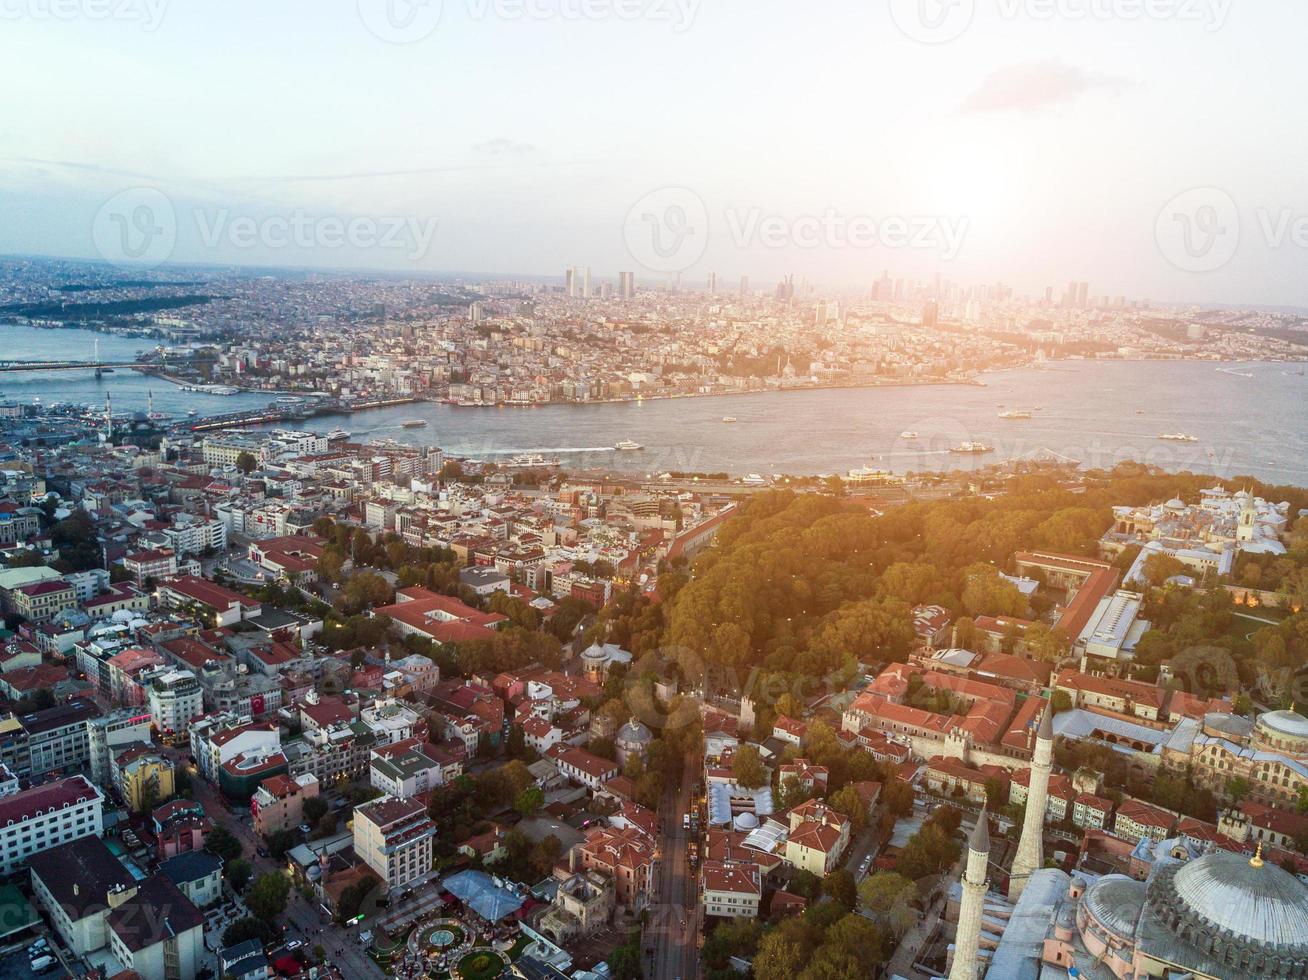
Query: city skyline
(1019,160)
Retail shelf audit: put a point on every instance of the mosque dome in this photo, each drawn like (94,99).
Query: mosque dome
(1246,913)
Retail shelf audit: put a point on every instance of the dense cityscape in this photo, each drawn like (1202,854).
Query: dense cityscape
(653,490)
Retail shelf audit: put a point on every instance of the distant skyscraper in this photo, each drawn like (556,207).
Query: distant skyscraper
(627,285)
(1082,295)
(476,312)
(744,285)
(570,281)
(585,282)
(712,283)
(930,313)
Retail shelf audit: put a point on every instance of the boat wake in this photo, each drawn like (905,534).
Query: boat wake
(548,449)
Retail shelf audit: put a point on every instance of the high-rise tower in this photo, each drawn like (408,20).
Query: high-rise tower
(1031,848)
(967,940)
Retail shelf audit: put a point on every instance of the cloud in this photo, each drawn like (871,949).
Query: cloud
(504,147)
(1034,85)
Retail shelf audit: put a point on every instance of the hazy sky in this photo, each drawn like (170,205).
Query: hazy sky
(1042,143)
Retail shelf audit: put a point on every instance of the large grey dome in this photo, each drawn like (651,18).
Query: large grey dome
(1257,901)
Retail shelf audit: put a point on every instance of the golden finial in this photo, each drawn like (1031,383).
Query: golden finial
(1257,860)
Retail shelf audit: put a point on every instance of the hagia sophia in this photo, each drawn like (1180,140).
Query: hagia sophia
(1216,915)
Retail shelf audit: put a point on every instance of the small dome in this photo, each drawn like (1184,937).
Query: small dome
(1176,503)
(1116,902)
(745,821)
(634,731)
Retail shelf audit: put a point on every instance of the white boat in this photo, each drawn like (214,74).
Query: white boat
(908,434)
(627,446)
(972,447)
(414,424)
(1177,437)
(528,460)
(336,435)
(1015,414)
(728,418)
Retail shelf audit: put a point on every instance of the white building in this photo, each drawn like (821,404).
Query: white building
(731,888)
(46,816)
(391,721)
(394,838)
(174,697)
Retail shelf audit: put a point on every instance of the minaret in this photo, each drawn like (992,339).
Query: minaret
(967,940)
(1030,849)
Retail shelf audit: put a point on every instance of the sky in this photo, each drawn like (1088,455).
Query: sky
(1154,148)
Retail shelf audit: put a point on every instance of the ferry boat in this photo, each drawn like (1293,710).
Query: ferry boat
(627,446)
(1177,437)
(908,434)
(972,448)
(336,435)
(1015,414)
(528,460)
(414,424)
(728,418)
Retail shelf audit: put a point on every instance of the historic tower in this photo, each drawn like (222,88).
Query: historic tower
(1030,849)
(967,940)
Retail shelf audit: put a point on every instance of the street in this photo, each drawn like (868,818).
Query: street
(304,919)
(675,916)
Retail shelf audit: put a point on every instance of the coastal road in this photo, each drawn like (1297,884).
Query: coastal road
(674,926)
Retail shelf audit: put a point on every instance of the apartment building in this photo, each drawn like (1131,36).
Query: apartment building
(278,803)
(174,698)
(37,819)
(393,837)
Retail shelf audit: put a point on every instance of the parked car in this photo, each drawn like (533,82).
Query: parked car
(42,963)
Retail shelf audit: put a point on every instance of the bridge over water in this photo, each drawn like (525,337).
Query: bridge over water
(12,366)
